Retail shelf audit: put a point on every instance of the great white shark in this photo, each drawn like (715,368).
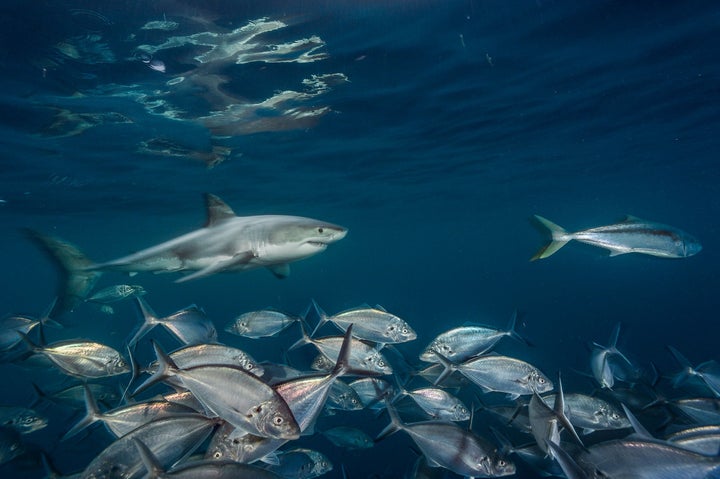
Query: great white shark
(226,242)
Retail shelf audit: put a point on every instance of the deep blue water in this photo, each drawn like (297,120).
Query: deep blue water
(454,123)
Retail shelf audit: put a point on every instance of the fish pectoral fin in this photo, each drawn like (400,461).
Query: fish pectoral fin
(280,271)
(239,258)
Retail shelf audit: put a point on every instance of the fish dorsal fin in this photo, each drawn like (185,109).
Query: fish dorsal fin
(217,210)
(640,431)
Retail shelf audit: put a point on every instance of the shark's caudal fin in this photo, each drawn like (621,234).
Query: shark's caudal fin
(76,281)
(560,237)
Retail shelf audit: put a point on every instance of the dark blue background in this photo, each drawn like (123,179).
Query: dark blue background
(434,156)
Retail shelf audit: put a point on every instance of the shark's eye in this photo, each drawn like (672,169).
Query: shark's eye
(320,230)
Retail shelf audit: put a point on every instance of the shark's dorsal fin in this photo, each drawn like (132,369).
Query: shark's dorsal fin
(217,210)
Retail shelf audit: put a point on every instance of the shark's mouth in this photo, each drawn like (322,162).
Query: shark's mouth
(318,244)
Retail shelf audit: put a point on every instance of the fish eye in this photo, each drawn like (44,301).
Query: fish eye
(278,420)
(321,230)
(405,330)
(502,463)
(541,380)
(217,455)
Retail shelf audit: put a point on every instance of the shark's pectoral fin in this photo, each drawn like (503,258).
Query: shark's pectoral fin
(280,270)
(239,258)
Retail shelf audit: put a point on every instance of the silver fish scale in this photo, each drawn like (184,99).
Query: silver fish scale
(505,374)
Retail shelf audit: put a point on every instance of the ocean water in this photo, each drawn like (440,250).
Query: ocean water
(432,130)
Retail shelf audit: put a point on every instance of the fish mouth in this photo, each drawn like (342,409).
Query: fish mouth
(318,244)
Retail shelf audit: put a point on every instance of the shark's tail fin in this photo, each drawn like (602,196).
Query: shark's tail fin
(560,237)
(76,280)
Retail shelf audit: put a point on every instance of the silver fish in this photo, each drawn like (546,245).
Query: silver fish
(200,469)
(189,325)
(343,397)
(260,324)
(708,372)
(118,292)
(124,419)
(83,359)
(170,439)
(204,354)
(370,324)
(362,358)
(462,343)
(233,394)
(74,396)
(600,360)
(591,413)
(632,235)
(22,419)
(546,421)
(232,444)
(702,440)
(300,464)
(371,391)
(348,437)
(641,459)
(306,396)
(500,374)
(447,445)
(11,445)
(438,403)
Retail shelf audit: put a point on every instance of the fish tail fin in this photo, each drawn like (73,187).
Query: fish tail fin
(164,370)
(559,409)
(342,365)
(449,366)
(636,425)
(322,317)
(395,422)
(560,238)
(512,330)
(135,372)
(30,344)
(40,396)
(566,462)
(149,320)
(92,415)
(506,446)
(305,339)
(46,319)
(152,464)
(76,276)
(685,364)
